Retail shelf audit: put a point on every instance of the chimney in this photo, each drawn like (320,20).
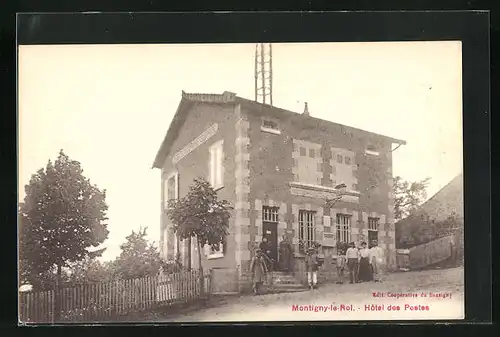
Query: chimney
(306,110)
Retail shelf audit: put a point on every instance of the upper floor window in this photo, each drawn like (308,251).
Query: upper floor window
(371,150)
(347,160)
(216,165)
(339,158)
(303,151)
(311,153)
(269,125)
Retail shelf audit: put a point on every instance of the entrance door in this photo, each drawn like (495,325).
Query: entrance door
(372,236)
(270,231)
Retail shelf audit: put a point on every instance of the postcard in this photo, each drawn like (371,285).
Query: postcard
(240,182)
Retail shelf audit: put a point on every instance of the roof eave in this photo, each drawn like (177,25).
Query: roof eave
(161,155)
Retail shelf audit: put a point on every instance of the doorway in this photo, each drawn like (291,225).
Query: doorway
(372,237)
(270,232)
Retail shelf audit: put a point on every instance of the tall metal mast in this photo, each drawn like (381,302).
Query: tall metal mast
(264,73)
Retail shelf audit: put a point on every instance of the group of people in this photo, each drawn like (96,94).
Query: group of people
(363,264)
(262,263)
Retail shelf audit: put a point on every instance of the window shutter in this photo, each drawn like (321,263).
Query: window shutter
(177,186)
(211,166)
(221,165)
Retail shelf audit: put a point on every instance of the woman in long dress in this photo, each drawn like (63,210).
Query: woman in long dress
(258,269)
(365,272)
(285,255)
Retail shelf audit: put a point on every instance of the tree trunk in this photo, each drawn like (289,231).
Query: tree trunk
(57,294)
(200,267)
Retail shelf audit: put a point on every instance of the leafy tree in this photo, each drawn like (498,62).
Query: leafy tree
(91,270)
(449,225)
(62,216)
(202,216)
(408,196)
(138,257)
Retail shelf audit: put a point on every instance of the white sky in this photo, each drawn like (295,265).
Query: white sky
(109,107)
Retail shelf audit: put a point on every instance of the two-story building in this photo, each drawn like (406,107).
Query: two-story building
(278,168)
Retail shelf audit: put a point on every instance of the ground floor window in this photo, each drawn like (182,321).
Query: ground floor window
(343,228)
(306,229)
(373,224)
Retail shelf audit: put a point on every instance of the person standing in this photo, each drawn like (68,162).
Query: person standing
(377,261)
(285,255)
(364,268)
(258,270)
(312,266)
(352,256)
(341,264)
(265,248)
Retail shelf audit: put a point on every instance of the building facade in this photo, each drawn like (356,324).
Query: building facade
(278,169)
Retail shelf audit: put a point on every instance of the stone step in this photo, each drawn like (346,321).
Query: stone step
(283,278)
(286,282)
(289,290)
(288,285)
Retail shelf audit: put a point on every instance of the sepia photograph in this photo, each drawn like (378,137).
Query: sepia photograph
(244,182)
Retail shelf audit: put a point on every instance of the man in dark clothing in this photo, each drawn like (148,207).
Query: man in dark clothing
(265,247)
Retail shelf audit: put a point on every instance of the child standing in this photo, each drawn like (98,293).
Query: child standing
(312,265)
(341,263)
(258,269)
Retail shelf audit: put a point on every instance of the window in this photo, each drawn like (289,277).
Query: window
(303,151)
(372,231)
(339,158)
(347,160)
(371,150)
(216,165)
(373,224)
(270,214)
(311,153)
(215,254)
(306,227)
(171,188)
(270,126)
(343,228)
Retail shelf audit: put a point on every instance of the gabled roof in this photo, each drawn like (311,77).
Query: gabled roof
(443,203)
(447,200)
(230,98)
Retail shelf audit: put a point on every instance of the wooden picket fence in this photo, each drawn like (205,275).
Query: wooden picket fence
(107,301)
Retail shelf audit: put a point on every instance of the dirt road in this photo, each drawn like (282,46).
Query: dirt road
(400,296)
